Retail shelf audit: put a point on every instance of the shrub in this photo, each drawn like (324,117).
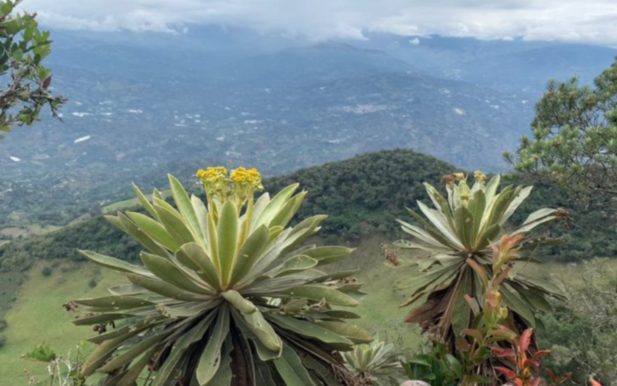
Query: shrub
(42,353)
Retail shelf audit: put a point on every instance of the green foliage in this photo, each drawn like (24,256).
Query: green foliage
(575,136)
(46,271)
(582,334)
(61,371)
(42,353)
(227,293)
(26,81)
(587,233)
(453,244)
(437,367)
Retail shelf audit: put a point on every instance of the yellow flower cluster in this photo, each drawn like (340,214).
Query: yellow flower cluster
(212,175)
(240,184)
(249,178)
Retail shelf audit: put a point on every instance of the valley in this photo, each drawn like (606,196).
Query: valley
(279,105)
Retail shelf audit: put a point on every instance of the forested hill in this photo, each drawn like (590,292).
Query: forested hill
(366,193)
(362,195)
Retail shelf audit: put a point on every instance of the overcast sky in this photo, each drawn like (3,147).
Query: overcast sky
(591,21)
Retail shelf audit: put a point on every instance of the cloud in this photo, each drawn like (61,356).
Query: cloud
(591,21)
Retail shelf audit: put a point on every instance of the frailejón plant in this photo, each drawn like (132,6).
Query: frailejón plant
(228,293)
(457,235)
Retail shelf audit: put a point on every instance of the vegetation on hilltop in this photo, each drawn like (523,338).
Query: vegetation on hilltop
(365,194)
(95,233)
(362,195)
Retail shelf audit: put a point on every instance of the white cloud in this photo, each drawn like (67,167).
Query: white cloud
(570,20)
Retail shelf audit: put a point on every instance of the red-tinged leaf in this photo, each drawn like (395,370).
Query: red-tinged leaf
(475,334)
(493,299)
(480,271)
(473,304)
(525,340)
(511,375)
(541,354)
(501,352)
(530,363)
(551,374)
(593,382)
(46,82)
(536,382)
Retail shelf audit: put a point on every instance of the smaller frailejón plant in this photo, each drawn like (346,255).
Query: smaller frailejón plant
(455,237)
(375,363)
(228,294)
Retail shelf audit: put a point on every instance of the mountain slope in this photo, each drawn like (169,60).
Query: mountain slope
(514,66)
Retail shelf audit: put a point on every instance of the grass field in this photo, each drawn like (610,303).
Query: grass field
(37,316)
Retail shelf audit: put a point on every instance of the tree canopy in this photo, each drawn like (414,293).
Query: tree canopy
(575,137)
(24,80)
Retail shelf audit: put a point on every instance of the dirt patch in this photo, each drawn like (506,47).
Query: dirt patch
(13,232)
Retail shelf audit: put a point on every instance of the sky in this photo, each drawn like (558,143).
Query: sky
(588,21)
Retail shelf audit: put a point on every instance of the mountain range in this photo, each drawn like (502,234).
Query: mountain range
(143,104)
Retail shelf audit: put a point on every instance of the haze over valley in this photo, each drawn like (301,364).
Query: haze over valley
(142,104)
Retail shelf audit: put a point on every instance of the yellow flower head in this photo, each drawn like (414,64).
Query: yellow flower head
(239,185)
(479,177)
(213,179)
(247,178)
(212,174)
